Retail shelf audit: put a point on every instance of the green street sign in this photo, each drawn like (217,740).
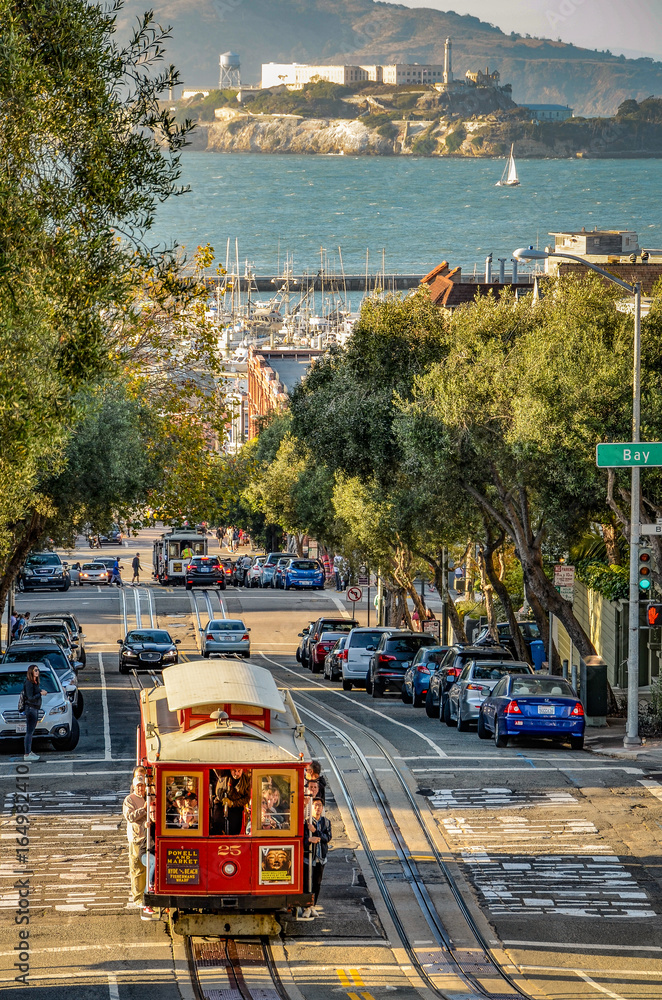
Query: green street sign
(646,453)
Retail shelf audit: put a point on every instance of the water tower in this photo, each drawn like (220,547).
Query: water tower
(230,78)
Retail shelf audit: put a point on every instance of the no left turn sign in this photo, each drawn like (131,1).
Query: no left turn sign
(354,594)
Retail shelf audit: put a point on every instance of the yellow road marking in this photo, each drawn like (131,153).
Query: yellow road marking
(354,973)
(343,977)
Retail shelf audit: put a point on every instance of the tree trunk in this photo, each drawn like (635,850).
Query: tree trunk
(500,590)
(488,591)
(441,583)
(610,537)
(32,530)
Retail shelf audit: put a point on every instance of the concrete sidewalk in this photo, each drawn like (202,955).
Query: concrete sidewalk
(609,742)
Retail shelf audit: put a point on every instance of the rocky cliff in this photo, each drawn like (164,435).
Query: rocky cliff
(479,137)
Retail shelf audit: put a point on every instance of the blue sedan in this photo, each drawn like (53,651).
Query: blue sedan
(307,574)
(532,705)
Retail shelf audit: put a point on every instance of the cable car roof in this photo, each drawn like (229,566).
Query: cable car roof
(207,682)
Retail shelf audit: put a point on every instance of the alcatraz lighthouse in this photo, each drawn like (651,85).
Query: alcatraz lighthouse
(448,63)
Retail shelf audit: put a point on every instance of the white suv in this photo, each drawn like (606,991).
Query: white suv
(360,645)
(56,719)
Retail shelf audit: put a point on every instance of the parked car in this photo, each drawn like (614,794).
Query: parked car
(56,720)
(205,571)
(530,633)
(94,573)
(392,656)
(47,650)
(228,569)
(43,571)
(303,635)
(226,635)
(147,649)
(112,537)
(324,645)
(325,624)
(75,628)
(53,629)
(269,567)
(278,577)
(450,669)
(253,575)
(308,574)
(240,568)
(536,706)
(73,571)
(333,660)
(474,684)
(361,644)
(417,677)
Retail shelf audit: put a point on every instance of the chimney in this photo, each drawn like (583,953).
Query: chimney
(514,277)
(502,270)
(488,270)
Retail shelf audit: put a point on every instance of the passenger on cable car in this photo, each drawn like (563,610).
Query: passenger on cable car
(232,795)
(316,837)
(275,801)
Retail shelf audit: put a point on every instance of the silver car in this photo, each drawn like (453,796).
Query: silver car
(473,686)
(94,573)
(56,721)
(226,635)
(253,574)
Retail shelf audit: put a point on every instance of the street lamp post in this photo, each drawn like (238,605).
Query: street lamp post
(632,737)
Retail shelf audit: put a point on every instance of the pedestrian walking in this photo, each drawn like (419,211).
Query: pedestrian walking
(136,567)
(29,703)
(316,837)
(135,813)
(116,576)
(337,569)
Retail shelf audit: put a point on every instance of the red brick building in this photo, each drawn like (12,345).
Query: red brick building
(272,374)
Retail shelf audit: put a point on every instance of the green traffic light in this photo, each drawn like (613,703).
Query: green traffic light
(644,584)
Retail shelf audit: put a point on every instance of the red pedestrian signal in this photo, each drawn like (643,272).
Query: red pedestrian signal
(654,615)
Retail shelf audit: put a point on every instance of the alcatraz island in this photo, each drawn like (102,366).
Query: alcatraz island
(403,109)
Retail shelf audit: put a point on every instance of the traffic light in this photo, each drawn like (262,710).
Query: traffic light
(645,563)
(654,616)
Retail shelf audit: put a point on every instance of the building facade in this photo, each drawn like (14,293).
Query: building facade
(272,374)
(296,75)
(549,112)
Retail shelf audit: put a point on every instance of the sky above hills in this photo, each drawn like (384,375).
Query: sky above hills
(633,28)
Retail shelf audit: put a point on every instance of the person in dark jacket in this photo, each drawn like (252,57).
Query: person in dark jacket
(316,837)
(231,797)
(32,693)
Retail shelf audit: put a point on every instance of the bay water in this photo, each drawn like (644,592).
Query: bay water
(416,211)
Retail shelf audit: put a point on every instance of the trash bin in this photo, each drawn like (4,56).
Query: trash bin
(593,690)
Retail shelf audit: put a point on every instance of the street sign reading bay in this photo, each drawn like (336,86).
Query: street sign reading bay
(645,453)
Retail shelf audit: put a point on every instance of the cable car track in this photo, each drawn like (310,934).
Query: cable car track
(486,966)
(249,965)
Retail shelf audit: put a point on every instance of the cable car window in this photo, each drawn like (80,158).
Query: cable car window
(181,804)
(229,801)
(173,550)
(199,548)
(276,800)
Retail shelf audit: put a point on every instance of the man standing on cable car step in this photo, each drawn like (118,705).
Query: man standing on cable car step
(135,813)
(232,795)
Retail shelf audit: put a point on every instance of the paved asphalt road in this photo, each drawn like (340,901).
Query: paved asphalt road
(558,852)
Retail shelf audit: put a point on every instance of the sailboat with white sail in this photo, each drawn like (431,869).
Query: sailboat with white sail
(509,177)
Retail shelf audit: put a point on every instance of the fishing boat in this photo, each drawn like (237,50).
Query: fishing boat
(509,177)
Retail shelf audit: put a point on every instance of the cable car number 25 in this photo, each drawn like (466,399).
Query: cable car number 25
(232,849)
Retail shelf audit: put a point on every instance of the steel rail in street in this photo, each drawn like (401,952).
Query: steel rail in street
(433,919)
(230,959)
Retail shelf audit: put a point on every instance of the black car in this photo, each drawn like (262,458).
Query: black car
(239,570)
(147,649)
(74,627)
(58,630)
(112,537)
(43,571)
(325,624)
(450,669)
(303,635)
(391,658)
(205,571)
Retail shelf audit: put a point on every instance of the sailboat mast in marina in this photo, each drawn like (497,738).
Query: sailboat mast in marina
(509,177)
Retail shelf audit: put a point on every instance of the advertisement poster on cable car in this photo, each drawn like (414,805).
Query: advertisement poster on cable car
(277,865)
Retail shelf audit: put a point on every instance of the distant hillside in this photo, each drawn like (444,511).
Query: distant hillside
(351,31)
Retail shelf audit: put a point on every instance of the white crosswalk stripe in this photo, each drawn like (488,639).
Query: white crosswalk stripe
(497,798)
(77,852)
(540,864)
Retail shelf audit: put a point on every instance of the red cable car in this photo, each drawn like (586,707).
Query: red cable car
(225,754)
